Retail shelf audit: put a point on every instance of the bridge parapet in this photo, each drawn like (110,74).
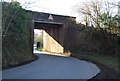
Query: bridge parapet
(40,16)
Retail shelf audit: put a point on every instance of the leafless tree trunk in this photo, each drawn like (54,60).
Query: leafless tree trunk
(94,10)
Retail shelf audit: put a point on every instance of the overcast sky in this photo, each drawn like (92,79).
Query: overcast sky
(61,7)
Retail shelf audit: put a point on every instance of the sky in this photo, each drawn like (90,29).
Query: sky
(61,7)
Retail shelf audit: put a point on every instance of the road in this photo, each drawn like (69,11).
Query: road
(53,67)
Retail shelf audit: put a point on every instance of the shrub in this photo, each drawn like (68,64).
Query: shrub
(16,45)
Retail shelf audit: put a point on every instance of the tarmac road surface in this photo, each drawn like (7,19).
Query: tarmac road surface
(53,67)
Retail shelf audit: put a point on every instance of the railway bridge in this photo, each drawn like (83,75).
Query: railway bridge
(54,27)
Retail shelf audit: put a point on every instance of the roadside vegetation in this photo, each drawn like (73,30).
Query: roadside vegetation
(94,44)
(99,38)
(108,60)
(39,49)
(15,35)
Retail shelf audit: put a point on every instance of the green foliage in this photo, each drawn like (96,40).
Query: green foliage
(110,61)
(16,45)
(40,49)
(81,38)
(109,22)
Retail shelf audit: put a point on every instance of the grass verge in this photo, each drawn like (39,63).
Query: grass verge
(108,60)
(39,49)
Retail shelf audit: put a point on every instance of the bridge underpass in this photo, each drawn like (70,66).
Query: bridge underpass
(55,28)
(52,35)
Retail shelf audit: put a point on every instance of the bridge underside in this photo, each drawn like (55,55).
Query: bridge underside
(53,36)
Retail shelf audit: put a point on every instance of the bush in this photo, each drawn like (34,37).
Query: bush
(16,45)
(82,38)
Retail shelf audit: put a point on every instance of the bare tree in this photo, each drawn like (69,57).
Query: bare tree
(93,12)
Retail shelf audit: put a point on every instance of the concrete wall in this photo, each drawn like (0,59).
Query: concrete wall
(51,43)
